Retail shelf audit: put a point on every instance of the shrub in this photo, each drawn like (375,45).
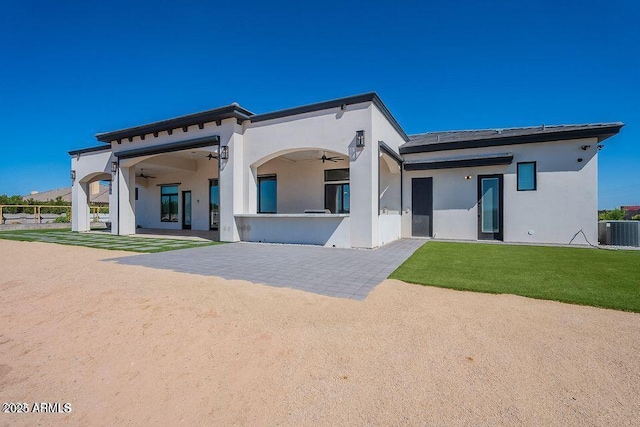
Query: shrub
(62,219)
(636,217)
(616,214)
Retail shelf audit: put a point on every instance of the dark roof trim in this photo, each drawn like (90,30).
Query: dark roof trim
(170,147)
(89,150)
(601,133)
(230,111)
(334,103)
(384,147)
(460,162)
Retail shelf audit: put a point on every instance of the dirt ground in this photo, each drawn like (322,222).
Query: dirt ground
(128,345)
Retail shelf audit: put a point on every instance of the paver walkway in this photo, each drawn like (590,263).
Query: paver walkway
(346,273)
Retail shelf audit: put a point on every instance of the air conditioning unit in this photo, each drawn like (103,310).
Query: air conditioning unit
(619,233)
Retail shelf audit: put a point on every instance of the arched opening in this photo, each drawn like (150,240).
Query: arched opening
(299,196)
(302,181)
(173,191)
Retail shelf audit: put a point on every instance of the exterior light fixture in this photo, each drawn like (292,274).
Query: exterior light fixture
(73,175)
(224,152)
(360,138)
(585,147)
(467,177)
(114,167)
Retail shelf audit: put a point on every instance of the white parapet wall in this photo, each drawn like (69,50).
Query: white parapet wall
(330,230)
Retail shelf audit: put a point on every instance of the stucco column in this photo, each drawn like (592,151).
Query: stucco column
(80,218)
(113,205)
(126,196)
(232,186)
(363,180)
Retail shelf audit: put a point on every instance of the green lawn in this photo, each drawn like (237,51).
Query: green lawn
(600,278)
(102,240)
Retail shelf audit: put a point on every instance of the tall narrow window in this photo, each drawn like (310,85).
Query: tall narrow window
(169,203)
(267,194)
(527,176)
(337,197)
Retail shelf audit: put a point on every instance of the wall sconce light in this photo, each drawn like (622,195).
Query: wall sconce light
(114,167)
(73,175)
(224,152)
(360,138)
(585,147)
(467,177)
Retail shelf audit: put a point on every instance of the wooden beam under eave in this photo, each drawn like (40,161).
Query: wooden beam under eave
(185,128)
(119,141)
(130,139)
(218,122)
(170,131)
(200,125)
(155,134)
(143,136)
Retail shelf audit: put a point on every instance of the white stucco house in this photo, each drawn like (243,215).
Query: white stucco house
(343,173)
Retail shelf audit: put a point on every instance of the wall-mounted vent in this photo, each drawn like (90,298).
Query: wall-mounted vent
(619,233)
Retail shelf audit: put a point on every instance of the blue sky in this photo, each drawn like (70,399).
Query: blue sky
(71,69)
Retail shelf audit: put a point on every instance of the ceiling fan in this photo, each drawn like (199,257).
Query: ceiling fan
(324,158)
(142,175)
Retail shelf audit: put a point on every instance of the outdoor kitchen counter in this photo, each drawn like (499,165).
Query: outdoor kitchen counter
(310,228)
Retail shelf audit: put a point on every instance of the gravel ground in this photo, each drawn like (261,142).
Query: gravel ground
(129,345)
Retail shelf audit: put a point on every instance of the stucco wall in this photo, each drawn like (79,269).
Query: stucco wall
(564,203)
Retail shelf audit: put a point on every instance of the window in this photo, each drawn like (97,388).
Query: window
(169,203)
(136,193)
(337,197)
(267,194)
(527,176)
(336,175)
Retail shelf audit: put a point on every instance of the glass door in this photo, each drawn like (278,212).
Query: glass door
(214,204)
(186,210)
(490,207)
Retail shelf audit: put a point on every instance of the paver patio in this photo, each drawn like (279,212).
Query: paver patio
(345,273)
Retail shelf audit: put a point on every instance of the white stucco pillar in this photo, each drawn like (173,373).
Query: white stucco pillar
(113,205)
(363,182)
(232,186)
(80,218)
(126,182)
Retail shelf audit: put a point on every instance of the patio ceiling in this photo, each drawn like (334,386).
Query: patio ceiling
(310,155)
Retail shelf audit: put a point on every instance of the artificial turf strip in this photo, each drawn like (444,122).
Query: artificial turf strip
(600,278)
(102,241)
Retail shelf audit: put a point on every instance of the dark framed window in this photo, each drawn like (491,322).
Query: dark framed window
(527,180)
(136,193)
(169,203)
(336,174)
(337,198)
(267,194)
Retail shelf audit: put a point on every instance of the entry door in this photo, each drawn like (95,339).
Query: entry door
(214,204)
(490,207)
(186,210)
(422,207)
